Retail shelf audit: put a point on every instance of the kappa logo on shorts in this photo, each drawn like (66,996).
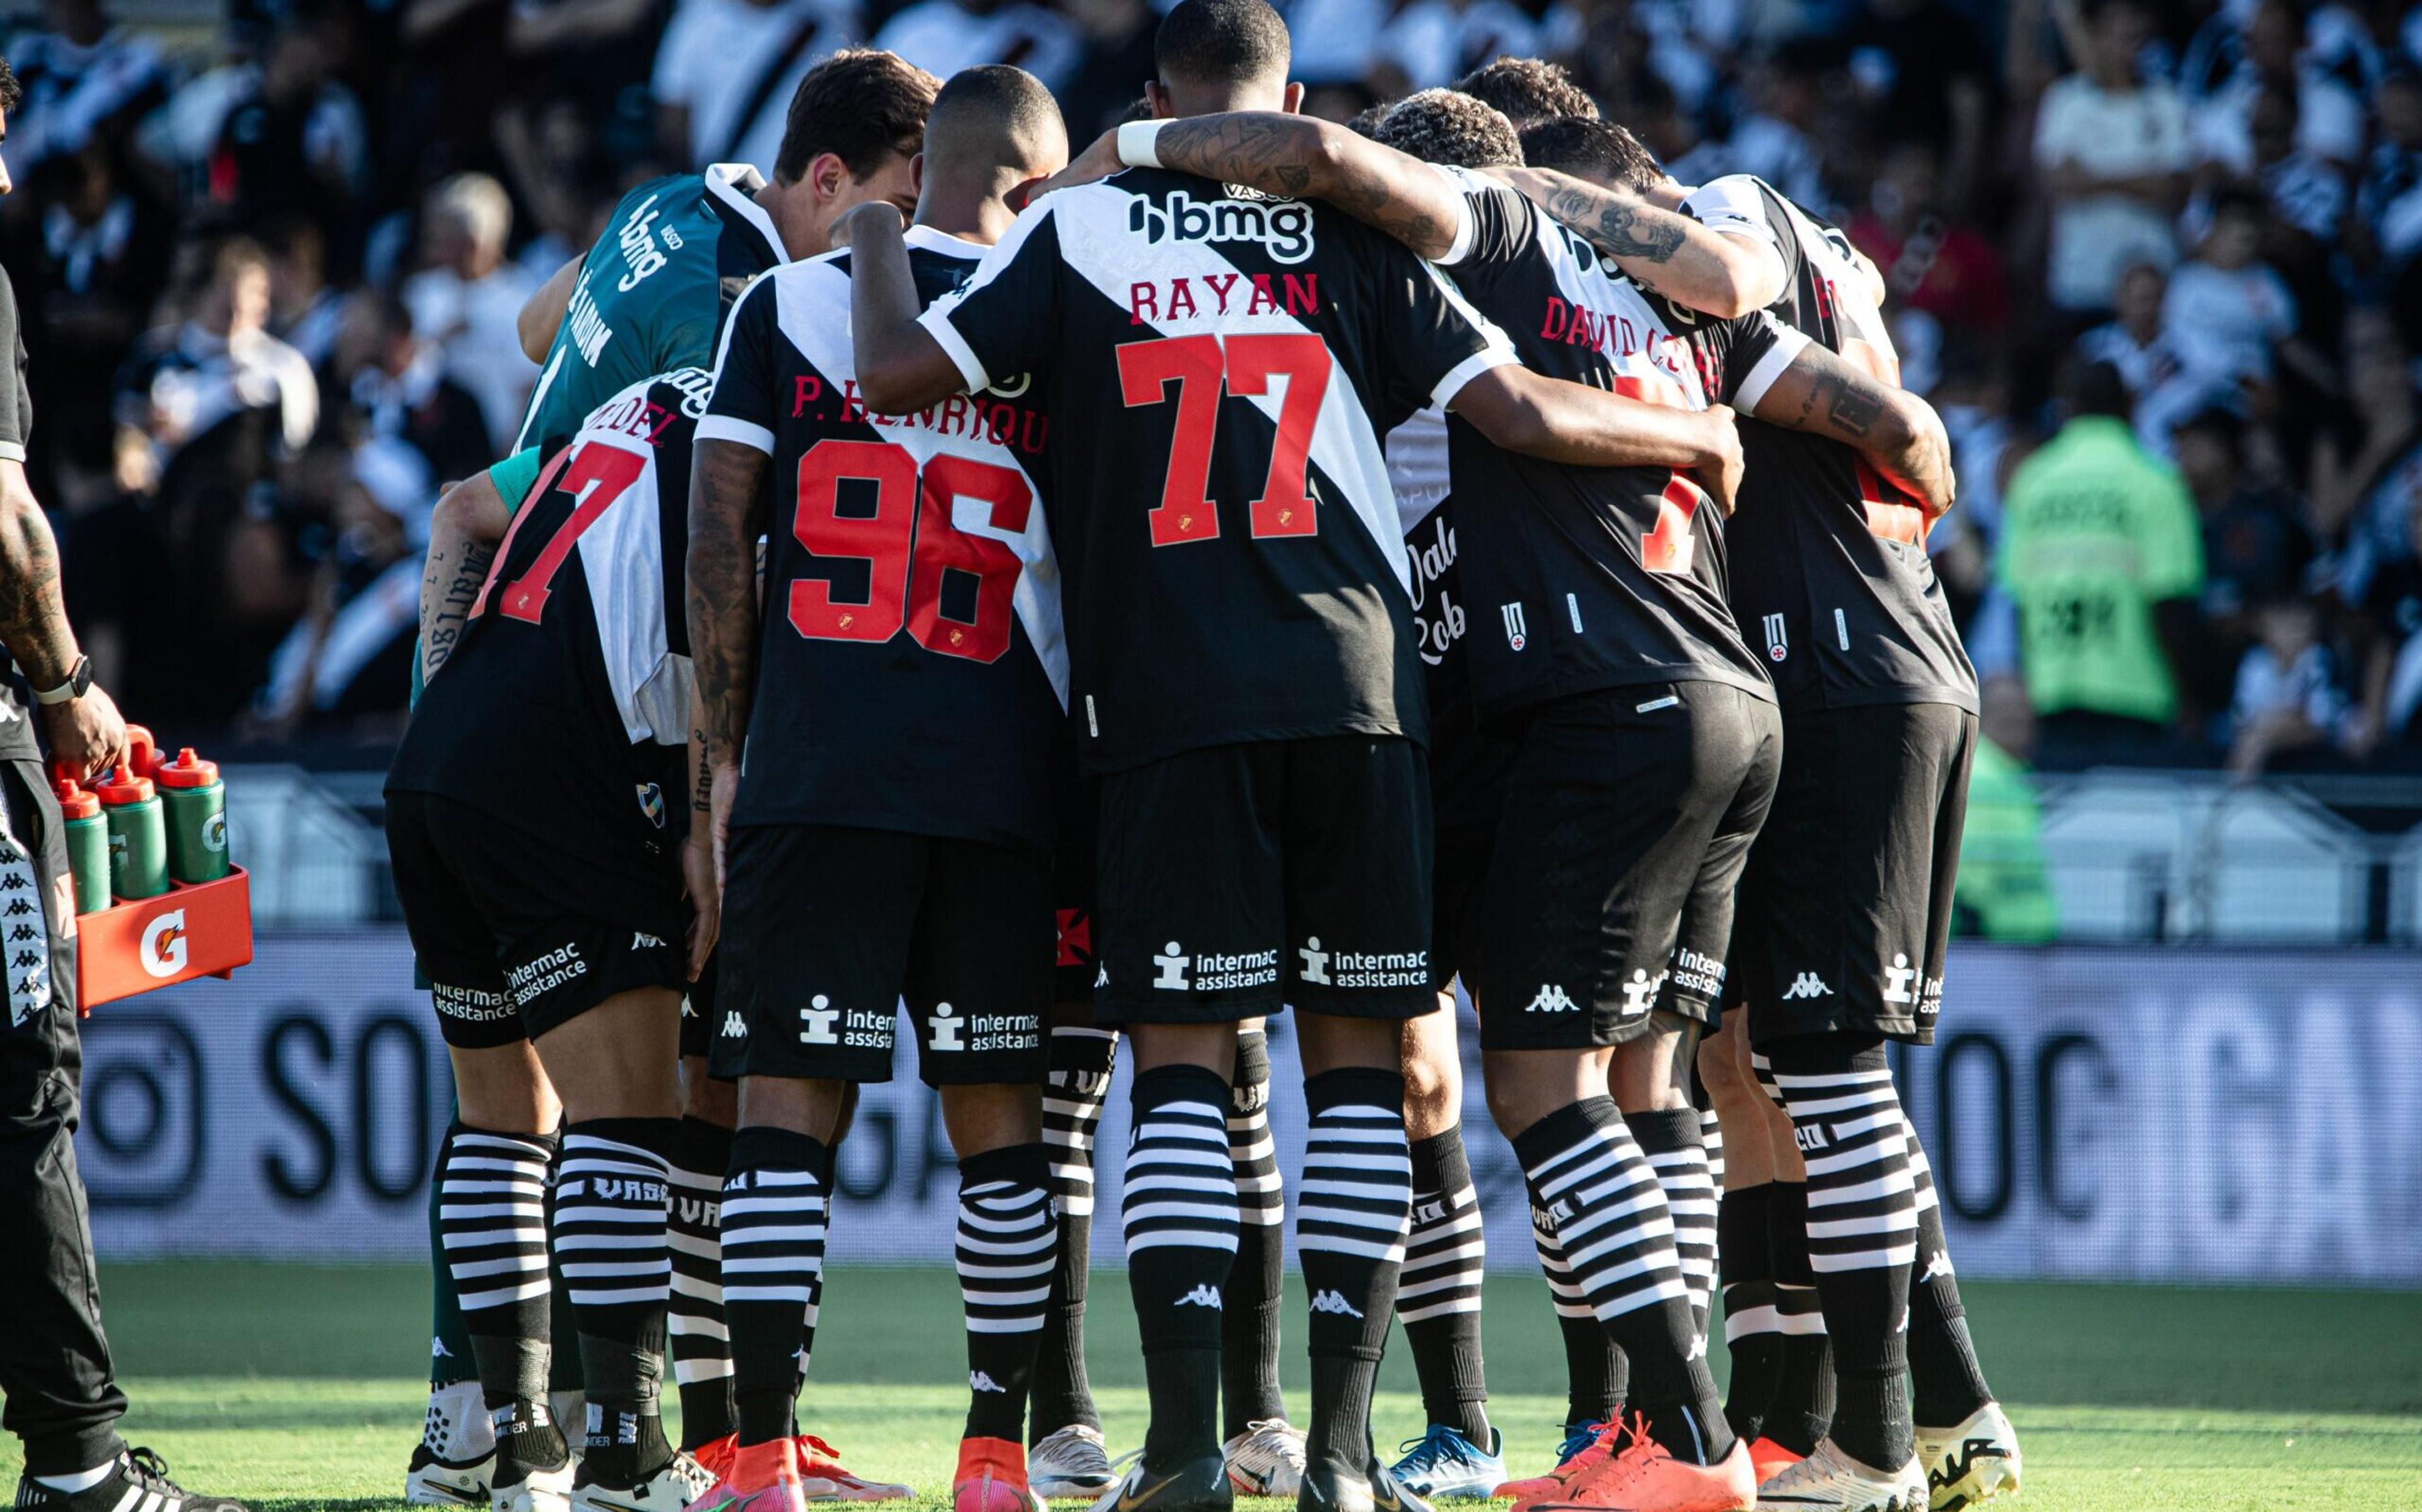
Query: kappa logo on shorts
(1640,993)
(945,1029)
(1171,964)
(1897,977)
(735,1028)
(1515,636)
(1315,962)
(1552,999)
(1807,985)
(641,939)
(819,1016)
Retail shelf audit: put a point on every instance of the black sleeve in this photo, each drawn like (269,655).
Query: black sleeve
(1432,340)
(16,400)
(1498,226)
(1739,359)
(1005,319)
(745,405)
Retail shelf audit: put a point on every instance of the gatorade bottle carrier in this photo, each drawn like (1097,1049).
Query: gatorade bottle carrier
(192,929)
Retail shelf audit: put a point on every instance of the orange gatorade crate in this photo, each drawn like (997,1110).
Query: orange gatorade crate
(192,929)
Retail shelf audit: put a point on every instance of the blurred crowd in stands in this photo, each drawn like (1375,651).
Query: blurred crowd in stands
(2158,265)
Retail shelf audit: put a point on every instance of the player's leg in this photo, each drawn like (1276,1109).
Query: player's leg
(452,1462)
(816,930)
(1649,1079)
(1612,801)
(1800,1411)
(1188,949)
(1752,1333)
(1264,1451)
(1357,867)
(1966,1442)
(1437,1297)
(700,1341)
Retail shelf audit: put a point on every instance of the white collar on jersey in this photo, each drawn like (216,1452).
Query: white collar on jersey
(943,242)
(734,186)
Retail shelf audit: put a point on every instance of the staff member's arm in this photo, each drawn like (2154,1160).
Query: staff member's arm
(86,730)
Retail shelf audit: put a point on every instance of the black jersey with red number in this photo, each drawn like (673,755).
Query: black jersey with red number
(1831,577)
(911,673)
(1581,578)
(566,704)
(1220,366)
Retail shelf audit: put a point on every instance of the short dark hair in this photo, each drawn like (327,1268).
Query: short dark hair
(11,92)
(2097,388)
(1443,126)
(1221,41)
(1528,90)
(1366,120)
(1598,150)
(860,105)
(994,112)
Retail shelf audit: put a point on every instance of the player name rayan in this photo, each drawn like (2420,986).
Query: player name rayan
(1204,296)
(984,417)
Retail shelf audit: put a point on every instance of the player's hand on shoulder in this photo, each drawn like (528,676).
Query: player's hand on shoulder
(86,734)
(1097,162)
(859,217)
(1721,474)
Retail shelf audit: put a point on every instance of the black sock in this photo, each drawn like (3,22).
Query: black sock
(701,1348)
(612,1218)
(1802,1407)
(774,1224)
(492,1215)
(1596,1377)
(1587,1173)
(1349,1235)
(1946,1380)
(1006,1239)
(1752,1330)
(1081,1060)
(1671,1140)
(1180,1229)
(1437,1297)
(1255,1293)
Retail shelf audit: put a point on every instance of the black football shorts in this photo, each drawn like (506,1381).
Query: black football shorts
(517,936)
(1846,903)
(1237,879)
(698,1010)
(1622,807)
(827,930)
(1073,965)
(1455,880)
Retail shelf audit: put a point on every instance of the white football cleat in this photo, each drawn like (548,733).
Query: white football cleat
(541,1491)
(1071,1462)
(435,1482)
(1832,1481)
(682,1481)
(1267,1460)
(456,1456)
(1972,1463)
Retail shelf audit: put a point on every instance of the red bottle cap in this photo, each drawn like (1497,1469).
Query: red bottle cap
(74,801)
(123,787)
(187,770)
(142,752)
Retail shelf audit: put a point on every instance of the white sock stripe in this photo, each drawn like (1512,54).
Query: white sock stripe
(1751,1321)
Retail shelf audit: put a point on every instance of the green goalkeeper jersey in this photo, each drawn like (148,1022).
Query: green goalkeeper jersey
(652,291)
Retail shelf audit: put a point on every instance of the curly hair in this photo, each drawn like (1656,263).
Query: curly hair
(1442,126)
(11,92)
(1529,90)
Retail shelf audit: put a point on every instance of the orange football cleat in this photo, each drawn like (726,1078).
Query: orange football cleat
(1559,1483)
(992,1478)
(1766,1457)
(1643,1477)
(759,1477)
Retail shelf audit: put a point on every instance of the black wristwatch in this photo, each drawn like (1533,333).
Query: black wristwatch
(79,680)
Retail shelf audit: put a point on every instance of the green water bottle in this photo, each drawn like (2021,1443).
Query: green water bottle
(196,802)
(138,835)
(88,845)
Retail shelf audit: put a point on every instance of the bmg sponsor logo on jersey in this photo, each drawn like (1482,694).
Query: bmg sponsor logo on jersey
(1283,227)
(1173,971)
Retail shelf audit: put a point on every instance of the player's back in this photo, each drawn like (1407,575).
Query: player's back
(652,293)
(569,692)
(1220,367)
(912,673)
(1831,575)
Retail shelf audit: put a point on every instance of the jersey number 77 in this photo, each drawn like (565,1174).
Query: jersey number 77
(1200,367)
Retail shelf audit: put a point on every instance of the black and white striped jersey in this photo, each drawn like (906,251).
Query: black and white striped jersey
(1583,578)
(1220,367)
(1830,574)
(912,673)
(567,701)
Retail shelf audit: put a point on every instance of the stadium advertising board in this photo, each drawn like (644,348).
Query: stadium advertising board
(2152,1113)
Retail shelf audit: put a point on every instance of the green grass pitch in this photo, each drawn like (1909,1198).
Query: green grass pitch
(299,1389)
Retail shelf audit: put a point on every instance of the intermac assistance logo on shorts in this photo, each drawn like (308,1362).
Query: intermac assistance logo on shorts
(1283,227)
(1175,971)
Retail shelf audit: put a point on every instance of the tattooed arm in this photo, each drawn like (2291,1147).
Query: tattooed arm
(726,513)
(701,850)
(464,530)
(901,368)
(1303,158)
(1661,249)
(86,733)
(1892,427)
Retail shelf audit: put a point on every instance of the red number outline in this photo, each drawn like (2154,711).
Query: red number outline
(596,476)
(1203,367)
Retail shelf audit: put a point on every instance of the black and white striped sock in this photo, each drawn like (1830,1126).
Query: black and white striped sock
(612,1211)
(1438,1295)
(1081,1061)
(1588,1174)
(1352,1208)
(1007,1238)
(1596,1377)
(1861,1231)
(1670,1139)
(1711,1135)
(774,1220)
(1753,1325)
(1255,1293)
(701,1345)
(492,1219)
(1802,1409)
(1946,1381)
(1178,1217)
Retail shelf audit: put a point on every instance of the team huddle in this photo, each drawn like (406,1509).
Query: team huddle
(1257,566)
